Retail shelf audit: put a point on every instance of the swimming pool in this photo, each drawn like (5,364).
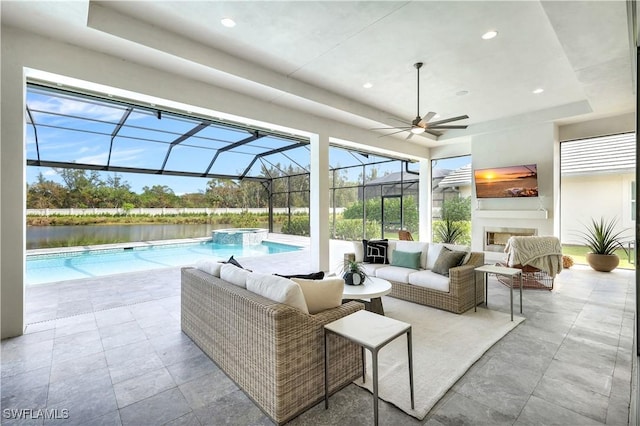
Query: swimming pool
(44,268)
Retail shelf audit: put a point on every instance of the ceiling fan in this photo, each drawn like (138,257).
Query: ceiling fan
(421,125)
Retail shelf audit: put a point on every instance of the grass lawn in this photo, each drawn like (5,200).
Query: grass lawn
(578,254)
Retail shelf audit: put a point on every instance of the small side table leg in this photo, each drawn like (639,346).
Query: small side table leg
(364,367)
(326,372)
(475,291)
(374,362)
(511,294)
(521,292)
(486,290)
(410,366)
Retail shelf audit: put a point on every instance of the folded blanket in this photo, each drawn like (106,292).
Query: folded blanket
(544,253)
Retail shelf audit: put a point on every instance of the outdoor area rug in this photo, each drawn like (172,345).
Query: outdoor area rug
(445,345)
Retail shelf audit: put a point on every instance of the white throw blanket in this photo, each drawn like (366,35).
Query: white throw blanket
(544,253)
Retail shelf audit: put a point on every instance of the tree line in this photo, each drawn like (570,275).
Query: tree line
(288,185)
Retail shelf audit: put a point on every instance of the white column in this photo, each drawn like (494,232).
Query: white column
(319,203)
(12,199)
(424,198)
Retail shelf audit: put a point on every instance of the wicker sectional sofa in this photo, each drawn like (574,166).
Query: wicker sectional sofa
(274,352)
(454,293)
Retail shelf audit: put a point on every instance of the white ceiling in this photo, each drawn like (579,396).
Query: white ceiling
(316,55)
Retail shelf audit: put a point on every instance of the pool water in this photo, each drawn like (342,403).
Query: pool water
(70,266)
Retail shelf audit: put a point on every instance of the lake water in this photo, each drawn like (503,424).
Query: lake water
(51,236)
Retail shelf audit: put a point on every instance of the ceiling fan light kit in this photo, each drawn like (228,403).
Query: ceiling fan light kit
(421,125)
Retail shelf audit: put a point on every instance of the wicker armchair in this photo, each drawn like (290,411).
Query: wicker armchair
(274,352)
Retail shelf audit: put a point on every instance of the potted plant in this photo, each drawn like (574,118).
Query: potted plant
(353,274)
(603,240)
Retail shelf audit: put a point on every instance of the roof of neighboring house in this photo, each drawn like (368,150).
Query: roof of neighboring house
(459,177)
(392,178)
(608,154)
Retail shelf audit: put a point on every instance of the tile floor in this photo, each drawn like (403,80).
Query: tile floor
(109,351)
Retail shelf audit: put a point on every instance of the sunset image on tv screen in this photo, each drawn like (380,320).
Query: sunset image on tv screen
(501,182)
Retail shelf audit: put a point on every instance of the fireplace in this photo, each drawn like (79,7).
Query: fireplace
(495,239)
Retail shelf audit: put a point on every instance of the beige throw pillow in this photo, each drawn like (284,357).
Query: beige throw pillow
(211,267)
(278,289)
(234,275)
(321,295)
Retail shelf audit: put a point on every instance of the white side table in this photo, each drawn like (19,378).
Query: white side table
(498,270)
(373,332)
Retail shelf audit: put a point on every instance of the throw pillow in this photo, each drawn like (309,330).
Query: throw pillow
(406,259)
(278,289)
(209,266)
(358,250)
(375,251)
(312,276)
(321,295)
(234,275)
(432,254)
(234,262)
(447,259)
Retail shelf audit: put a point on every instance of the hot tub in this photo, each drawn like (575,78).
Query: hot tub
(239,236)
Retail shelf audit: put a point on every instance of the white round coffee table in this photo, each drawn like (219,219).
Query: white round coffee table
(373,289)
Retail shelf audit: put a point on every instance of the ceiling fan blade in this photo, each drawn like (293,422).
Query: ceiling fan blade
(408,123)
(448,120)
(448,127)
(409,136)
(426,118)
(383,128)
(433,132)
(393,133)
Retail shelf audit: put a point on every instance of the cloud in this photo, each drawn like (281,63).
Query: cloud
(81,108)
(120,156)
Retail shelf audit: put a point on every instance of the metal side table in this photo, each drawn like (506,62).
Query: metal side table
(498,270)
(373,332)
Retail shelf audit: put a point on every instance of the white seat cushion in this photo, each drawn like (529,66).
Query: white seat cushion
(321,295)
(430,280)
(394,273)
(371,268)
(278,289)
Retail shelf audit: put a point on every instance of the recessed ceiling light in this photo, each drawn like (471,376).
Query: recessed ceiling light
(489,35)
(367,85)
(228,22)
(462,93)
(538,91)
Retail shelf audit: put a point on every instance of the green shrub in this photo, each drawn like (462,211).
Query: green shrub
(351,229)
(299,225)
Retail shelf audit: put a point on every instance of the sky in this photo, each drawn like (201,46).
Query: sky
(78,129)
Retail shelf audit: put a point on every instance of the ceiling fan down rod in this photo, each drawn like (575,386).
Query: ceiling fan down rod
(418,65)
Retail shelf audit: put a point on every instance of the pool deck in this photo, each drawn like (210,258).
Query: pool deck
(110,350)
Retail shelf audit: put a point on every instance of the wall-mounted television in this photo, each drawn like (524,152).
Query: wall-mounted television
(507,182)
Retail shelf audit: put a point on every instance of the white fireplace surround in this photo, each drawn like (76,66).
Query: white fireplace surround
(495,238)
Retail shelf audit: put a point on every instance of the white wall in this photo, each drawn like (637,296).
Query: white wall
(22,50)
(603,195)
(532,144)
